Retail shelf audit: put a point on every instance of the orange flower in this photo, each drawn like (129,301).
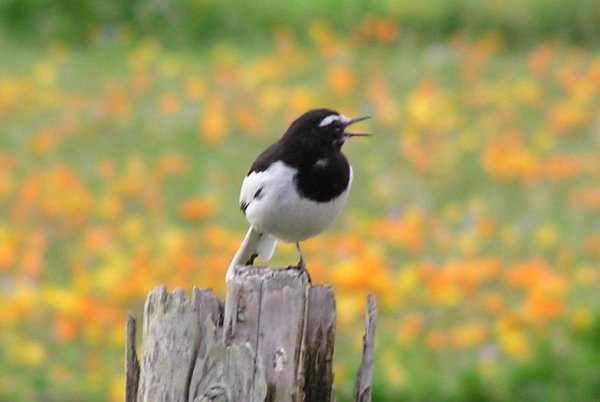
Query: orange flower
(507,158)
(384,30)
(593,72)
(434,340)
(342,246)
(539,307)
(568,75)
(8,248)
(139,82)
(416,154)
(97,239)
(32,258)
(195,88)
(352,275)
(299,101)
(492,302)
(44,141)
(410,327)
(169,104)
(591,245)
(527,274)
(540,60)
(116,103)
(566,117)
(65,329)
(473,62)
(170,164)
(218,237)
(322,36)
(340,79)
(586,198)
(105,169)
(269,100)
(213,124)
(247,120)
(561,167)
(405,232)
(198,208)
(485,228)
(386,104)
(468,335)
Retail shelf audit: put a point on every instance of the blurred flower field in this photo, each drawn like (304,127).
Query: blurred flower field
(474,217)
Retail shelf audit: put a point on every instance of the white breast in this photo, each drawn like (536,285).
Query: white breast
(280,211)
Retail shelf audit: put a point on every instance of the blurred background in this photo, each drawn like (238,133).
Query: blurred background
(127,127)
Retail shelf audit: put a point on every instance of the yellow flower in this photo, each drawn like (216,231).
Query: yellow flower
(349,306)
(546,236)
(143,55)
(31,353)
(580,319)
(44,73)
(395,374)
(195,88)
(514,343)
(408,279)
(63,300)
(117,389)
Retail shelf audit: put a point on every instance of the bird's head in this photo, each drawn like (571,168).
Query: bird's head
(323,129)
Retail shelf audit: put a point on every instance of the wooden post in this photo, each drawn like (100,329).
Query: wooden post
(271,340)
(362,387)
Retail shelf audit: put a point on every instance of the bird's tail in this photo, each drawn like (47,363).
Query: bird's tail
(255,244)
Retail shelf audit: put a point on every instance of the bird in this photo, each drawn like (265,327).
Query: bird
(296,187)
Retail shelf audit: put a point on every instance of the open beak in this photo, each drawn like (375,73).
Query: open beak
(356,120)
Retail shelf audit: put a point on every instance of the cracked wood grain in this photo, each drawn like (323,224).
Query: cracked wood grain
(272,340)
(320,340)
(266,308)
(362,386)
(132,365)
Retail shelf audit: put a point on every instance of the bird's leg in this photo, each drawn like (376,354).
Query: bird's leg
(301,261)
(251,260)
(301,266)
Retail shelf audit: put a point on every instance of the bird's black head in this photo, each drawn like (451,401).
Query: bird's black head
(322,130)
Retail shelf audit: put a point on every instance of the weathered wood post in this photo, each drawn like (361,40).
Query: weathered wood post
(271,340)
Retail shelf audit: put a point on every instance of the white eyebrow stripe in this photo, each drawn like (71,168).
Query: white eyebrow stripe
(333,117)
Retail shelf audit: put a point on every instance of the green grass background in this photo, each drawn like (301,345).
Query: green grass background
(193,22)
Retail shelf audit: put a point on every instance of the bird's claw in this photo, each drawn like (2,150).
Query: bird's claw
(251,260)
(301,268)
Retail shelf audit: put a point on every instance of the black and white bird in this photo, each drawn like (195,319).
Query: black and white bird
(296,187)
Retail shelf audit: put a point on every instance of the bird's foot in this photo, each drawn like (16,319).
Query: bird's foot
(251,260)
(301,267)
